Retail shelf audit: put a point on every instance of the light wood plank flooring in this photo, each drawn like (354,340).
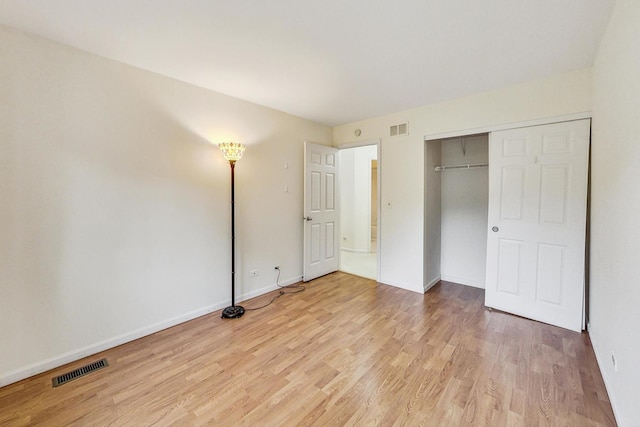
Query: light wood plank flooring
(347,351)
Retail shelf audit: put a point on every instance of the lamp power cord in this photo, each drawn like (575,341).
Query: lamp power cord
(284,290)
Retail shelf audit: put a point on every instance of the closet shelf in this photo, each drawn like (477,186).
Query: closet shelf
(472,166)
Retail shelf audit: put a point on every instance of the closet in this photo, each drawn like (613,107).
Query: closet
(464,195)
(507,213)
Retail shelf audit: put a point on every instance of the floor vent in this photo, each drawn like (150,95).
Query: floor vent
(80,372)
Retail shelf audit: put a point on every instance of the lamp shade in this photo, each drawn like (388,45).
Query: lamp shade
(232,151)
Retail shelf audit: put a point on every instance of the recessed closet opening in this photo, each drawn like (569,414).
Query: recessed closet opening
(464,201)
(519,231)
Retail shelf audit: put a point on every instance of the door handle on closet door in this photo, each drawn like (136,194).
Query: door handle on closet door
(495,229)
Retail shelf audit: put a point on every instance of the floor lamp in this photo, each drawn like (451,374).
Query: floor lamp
(232,151)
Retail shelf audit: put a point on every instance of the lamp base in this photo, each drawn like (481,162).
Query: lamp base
(232,312)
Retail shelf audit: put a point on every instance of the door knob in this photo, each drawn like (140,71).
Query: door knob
(308,218)
(495,229)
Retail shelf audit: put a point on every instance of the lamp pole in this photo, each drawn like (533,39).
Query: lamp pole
(233,235)
(232,152)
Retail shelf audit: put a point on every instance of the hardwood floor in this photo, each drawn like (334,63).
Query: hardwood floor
(347,351)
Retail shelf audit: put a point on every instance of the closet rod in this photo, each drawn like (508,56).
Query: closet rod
(476,165)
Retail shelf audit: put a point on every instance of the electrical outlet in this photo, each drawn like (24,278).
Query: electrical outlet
(253,273)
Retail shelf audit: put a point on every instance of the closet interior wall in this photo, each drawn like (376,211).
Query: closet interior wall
(464,208)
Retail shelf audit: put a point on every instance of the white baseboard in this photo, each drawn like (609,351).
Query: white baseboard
(355,251)
(463,281)
(72,356)
(601,363)
(267,289)
(431,283)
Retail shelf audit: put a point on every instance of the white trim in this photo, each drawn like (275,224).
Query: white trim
(431,284)
(267,289)
(599,360)
(355,251)
(75,355)
(514,125)
(379,213)
(355,144)
(369,186)
(462,281)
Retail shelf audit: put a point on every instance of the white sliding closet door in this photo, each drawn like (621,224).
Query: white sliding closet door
(537,222)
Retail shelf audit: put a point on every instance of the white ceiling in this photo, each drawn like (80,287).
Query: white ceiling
(332,61)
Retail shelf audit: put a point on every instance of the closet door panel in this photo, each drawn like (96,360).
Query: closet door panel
(509,266)
(512,193)
(537,198)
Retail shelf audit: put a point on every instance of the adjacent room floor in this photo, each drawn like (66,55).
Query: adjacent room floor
(363,264)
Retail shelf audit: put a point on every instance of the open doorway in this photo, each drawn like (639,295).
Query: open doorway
(359,210)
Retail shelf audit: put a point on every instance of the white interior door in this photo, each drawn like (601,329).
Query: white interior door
(537,222)
(321,213)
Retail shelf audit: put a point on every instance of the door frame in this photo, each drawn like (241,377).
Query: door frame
(377,143)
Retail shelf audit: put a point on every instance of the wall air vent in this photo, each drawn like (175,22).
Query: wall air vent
(80,372)
(400,129)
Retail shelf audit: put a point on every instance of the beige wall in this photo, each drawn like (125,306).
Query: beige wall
(114,204)
(404,257)
(615,209)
